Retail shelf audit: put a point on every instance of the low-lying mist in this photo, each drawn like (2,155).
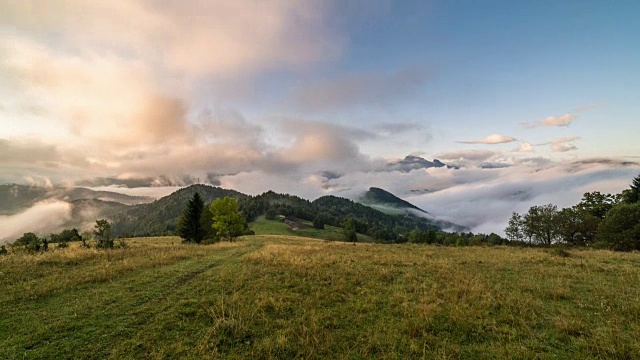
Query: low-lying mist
(42,218)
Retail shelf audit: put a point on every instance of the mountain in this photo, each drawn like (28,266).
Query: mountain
(411,162)
(387,202)
(80,193)
(161,216)
(15,198)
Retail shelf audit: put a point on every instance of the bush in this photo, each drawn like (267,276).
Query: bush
(3,250)
(62,245)
(31,242)
(121,244)
(66,236)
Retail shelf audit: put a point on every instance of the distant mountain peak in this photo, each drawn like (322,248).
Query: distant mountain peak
(382,199)
(412,162)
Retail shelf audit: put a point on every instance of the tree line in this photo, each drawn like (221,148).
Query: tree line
(598,220)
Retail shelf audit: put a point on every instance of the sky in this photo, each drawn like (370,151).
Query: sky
(534,101)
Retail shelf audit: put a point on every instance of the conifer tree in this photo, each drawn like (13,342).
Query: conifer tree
(632,195)
(189,225)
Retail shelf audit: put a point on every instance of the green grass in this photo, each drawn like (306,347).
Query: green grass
(277,227)
(287,297)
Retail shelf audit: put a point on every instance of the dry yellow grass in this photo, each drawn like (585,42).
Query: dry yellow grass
(288,297)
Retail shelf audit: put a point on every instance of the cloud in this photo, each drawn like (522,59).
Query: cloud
(361,89)
(140,182)
(483,199)
(606,161)
(562,121)
(495,165)
(110,90)
(563,144)
(473,155)
(390,129)
(525,147)
(589,107)
(193,38)
(323,143)
(563,147)
(491,140)
(43,217)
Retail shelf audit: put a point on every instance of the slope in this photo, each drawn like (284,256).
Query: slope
(161,216)
(15,198)
(387,202)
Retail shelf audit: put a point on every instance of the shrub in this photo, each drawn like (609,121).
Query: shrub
(3,250)
(62,245)
(31,242)
(121,244)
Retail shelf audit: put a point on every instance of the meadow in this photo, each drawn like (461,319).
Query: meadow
(303,228)
(276,296)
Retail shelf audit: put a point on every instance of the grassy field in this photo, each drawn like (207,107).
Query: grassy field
(287,297)
(305,229)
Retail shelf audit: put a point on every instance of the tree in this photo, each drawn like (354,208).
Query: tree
(632,195)
(577,226)
(514,230)
(102,233)
(596,203)
(495,239)
(431,236)
(620,230)
(270,214)
(318,222)
(228,221)
(190,223)
(417,236)
(349,230)
(206,223)
(541,223)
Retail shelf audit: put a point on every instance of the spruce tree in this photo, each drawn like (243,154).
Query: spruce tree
(632,195)
(189,225)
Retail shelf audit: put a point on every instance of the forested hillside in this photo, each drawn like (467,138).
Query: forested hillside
(160,217)
(387,202)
